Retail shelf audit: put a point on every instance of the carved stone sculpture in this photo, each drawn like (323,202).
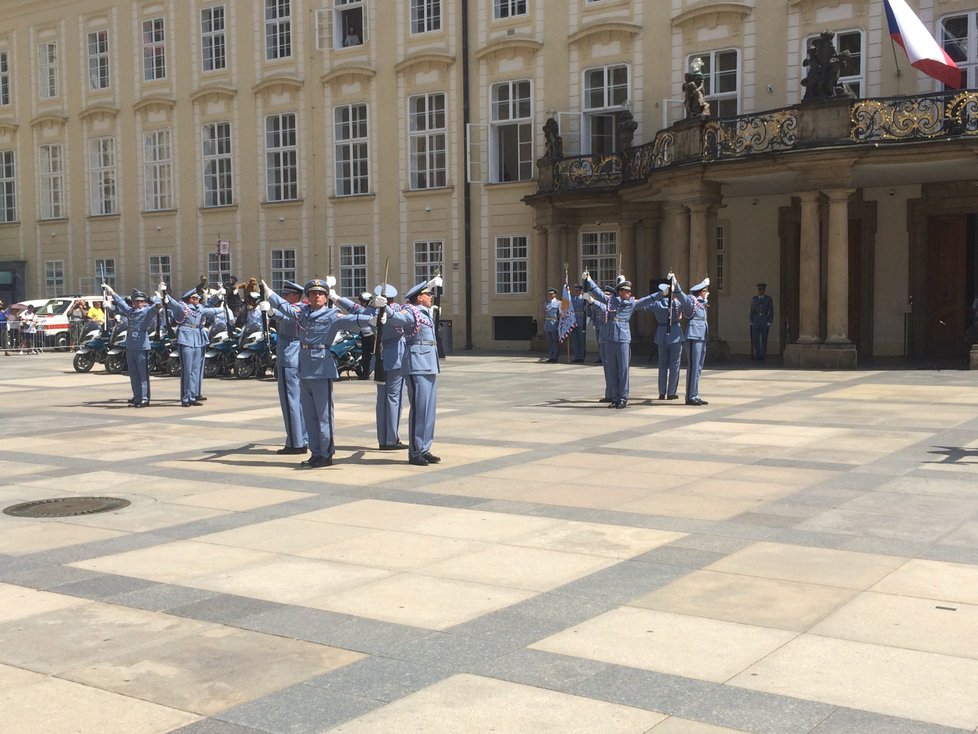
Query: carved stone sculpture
(555,144)
(694,100)
(824,65)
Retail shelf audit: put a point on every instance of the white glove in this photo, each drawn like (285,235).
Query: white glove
(330,282)
(333,295)
(372,320)
(108,290)
(162,287)
(264,306)
(585,276)
(379,302)
(166,298)
(254,296)
(436,282)
(221,292)
(108,305)
(588,297)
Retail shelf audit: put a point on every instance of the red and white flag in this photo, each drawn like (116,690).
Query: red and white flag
(922,50)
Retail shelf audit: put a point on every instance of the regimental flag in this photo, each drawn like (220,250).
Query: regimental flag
(923,51)
(568,319)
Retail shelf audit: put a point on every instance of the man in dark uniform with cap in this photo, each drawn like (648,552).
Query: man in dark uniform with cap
(287,371)
(761,318)
(579,333)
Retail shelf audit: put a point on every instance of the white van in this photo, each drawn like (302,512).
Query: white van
(52,314)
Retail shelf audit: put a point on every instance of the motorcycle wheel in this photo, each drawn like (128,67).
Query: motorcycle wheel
(83,362)
(360,368)
(115,363)
(173,366)
(244,368)
(156,364)
(212,367)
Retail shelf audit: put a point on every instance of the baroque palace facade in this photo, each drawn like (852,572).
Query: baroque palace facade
(364,137)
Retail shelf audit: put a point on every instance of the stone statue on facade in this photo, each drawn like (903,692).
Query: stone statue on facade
(626,130)
(694,100)
(824,66)
(555,144)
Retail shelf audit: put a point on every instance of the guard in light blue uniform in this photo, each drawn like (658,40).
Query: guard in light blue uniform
(668,311)
(617,335)
(142,319)
(420,368)
(697,332)
(579,333)
(390,391)
(317,325)
(189,318)
(551,314)
(287,366)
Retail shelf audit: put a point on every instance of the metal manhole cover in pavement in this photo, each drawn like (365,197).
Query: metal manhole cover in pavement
(66,507)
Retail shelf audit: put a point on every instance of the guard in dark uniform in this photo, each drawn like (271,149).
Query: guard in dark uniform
(579,333)
(142,319)
(761,318)
(287,371)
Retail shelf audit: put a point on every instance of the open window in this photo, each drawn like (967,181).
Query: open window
(343,25)
(605,97)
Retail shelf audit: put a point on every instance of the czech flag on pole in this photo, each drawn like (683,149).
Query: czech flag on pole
(568,319)
(922,50)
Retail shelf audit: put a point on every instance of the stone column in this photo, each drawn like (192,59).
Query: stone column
(809,270)
(627,250)
(699,252)
(675,241)
(555,266)
(539,265)
(837,271)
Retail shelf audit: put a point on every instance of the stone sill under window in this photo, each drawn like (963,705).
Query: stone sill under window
(531,182)
(439,190)
(284,202)
(157,212)
(352,197)
(114,215)
(218,208)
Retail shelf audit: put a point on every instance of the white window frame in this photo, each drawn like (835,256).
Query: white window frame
(218,164)
(54,278)
(160,269)
(428,259)
(158,170)
(281,157)
(98,60)
(105,271)
(968,64)
(47,65)
(8,186)
(605,95)
(4,78)
(855,82)
(425,16)
(511,107)
(427,141)
(351,135)
(51,180)
(710,82)
(102,176)
(213,38)
(154,49)
(503,9)
(218,267)
(283,267)
(278,29)
(353,269)
(512,264)
(599,255)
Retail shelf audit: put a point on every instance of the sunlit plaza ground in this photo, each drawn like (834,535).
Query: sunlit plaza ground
(797,556)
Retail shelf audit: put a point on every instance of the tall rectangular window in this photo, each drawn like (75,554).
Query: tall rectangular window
(218,267)
(281,158)
(157,170)
(720,81)
(599,255)
(283,268)
(154,49)
(511,264)
(605,95)
(353,269)
(54,278)
(47,66)
(4,79)
(105,271)
(213,43)
(101,170)
(52,181)
(425,16)
(8,187)
(508,8)
(427,141)
(350,131)
(159,270)
(218,182)
(511,149)
(278,29)
(428,259)
(98,60)
(959,38)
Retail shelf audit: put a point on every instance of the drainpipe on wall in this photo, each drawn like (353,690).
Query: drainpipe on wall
(467,199)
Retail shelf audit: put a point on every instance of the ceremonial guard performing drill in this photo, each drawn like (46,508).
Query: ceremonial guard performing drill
(617,335)
(551,312)
(317,325)
(420,367)
(697,332)
(141,316)
(669,338)
(579,334)
(189,317)
(287,369)
(389,375)
(761,318)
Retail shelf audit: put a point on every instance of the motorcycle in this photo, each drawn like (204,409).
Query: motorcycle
(347,349)
(159,354)
(93,347)
(221,349)
(115,359)
(256,355)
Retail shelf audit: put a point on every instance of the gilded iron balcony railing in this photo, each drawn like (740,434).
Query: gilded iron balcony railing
(942,115)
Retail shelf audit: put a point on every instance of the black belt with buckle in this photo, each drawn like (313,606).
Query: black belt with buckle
(423,342)
(313,346)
